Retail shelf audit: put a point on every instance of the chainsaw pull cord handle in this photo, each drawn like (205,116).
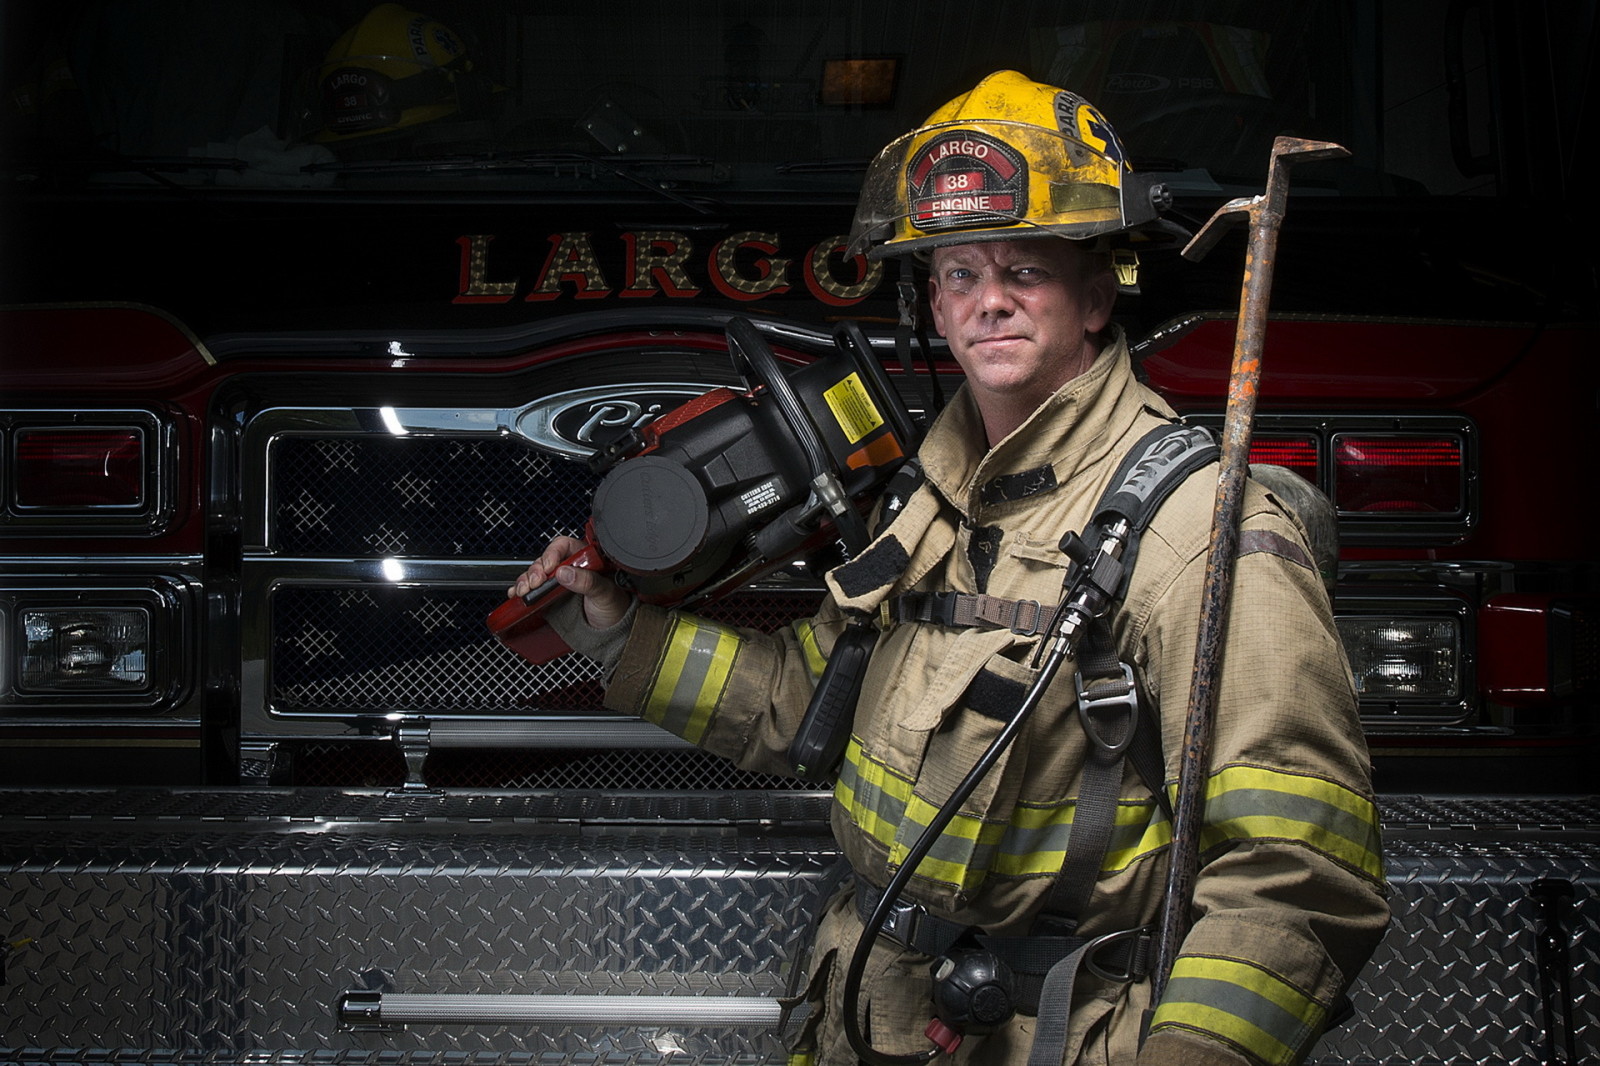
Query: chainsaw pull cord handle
(746,343)
(587,557)
(1084,601)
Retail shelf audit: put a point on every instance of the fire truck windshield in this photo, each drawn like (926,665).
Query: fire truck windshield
(708,101)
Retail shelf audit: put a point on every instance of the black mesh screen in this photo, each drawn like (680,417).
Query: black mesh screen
(374,649)
(370,649)
(381,648)
(378,765)
(438,497)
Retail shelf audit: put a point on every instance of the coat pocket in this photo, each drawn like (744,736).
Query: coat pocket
(895,999)
(972,716)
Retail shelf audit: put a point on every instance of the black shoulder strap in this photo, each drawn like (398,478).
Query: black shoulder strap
(1109,706)
(1152,470)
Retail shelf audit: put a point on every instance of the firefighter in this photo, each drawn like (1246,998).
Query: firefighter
(1012,195)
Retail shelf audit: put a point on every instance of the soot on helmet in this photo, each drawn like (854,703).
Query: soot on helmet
(734,483)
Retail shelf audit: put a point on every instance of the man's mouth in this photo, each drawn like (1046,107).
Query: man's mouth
(998,338)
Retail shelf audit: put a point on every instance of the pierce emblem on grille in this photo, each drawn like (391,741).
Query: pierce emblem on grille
(575,423)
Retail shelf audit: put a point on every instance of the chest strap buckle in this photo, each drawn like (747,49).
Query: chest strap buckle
(1025,618)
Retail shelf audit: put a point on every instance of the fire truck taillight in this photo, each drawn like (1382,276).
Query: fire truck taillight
(105,473)
(1395,479)
(69,469)
(1298,453)
(81,650)
(1398,474)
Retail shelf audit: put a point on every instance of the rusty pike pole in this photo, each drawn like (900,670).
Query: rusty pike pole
(1265,214)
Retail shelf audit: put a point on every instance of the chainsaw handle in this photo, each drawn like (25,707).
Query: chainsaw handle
(519,623)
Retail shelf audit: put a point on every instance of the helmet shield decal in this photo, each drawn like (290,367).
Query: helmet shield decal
(355,99)
(963,179)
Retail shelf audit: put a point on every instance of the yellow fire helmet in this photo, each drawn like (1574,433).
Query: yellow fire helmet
(393,69)
(1012,158)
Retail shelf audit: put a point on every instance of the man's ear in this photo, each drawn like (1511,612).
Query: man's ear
(935,306)
(1098,301)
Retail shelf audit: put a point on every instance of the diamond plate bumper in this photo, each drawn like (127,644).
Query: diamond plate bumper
(225,926)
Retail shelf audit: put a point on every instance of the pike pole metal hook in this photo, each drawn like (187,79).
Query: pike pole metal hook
(1265,214)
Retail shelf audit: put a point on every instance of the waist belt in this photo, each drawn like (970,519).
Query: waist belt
(1024,617)
(1125,955)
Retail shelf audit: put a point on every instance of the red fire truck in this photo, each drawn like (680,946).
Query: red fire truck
(310,314)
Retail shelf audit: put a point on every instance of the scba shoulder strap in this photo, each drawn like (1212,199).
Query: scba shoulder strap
(1118,728)
(1108,699)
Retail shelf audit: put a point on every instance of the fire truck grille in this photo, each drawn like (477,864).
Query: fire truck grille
(437,497)
(360,650)
(370,765)
(375,649)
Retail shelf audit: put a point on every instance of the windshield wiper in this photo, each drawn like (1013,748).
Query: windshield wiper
(619,166)
(85,162)
(821,166)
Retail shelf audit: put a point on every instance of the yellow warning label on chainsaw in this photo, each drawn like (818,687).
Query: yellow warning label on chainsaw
(852,408)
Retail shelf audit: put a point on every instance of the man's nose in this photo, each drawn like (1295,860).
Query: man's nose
(995,296)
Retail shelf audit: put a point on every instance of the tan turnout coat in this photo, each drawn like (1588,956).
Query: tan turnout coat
(1290,902)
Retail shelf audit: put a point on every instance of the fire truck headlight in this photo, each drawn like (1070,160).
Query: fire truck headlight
(79,649)
(1404,658)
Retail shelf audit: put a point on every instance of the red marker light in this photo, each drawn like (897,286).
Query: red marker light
(63,469)
(1398,473)
(1297,453)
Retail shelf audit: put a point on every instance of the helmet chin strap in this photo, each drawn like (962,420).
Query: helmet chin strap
(911,325)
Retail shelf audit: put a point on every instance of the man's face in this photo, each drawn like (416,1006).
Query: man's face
(1020,315)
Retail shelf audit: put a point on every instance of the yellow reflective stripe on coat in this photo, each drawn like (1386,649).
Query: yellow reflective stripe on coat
(1242,1004)
(874,795)
(1255,803)
(1033,841)
(1242,803)
(816,662)
(696,661)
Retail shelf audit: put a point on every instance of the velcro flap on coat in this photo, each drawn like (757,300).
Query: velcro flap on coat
(889,562)
(960,656)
